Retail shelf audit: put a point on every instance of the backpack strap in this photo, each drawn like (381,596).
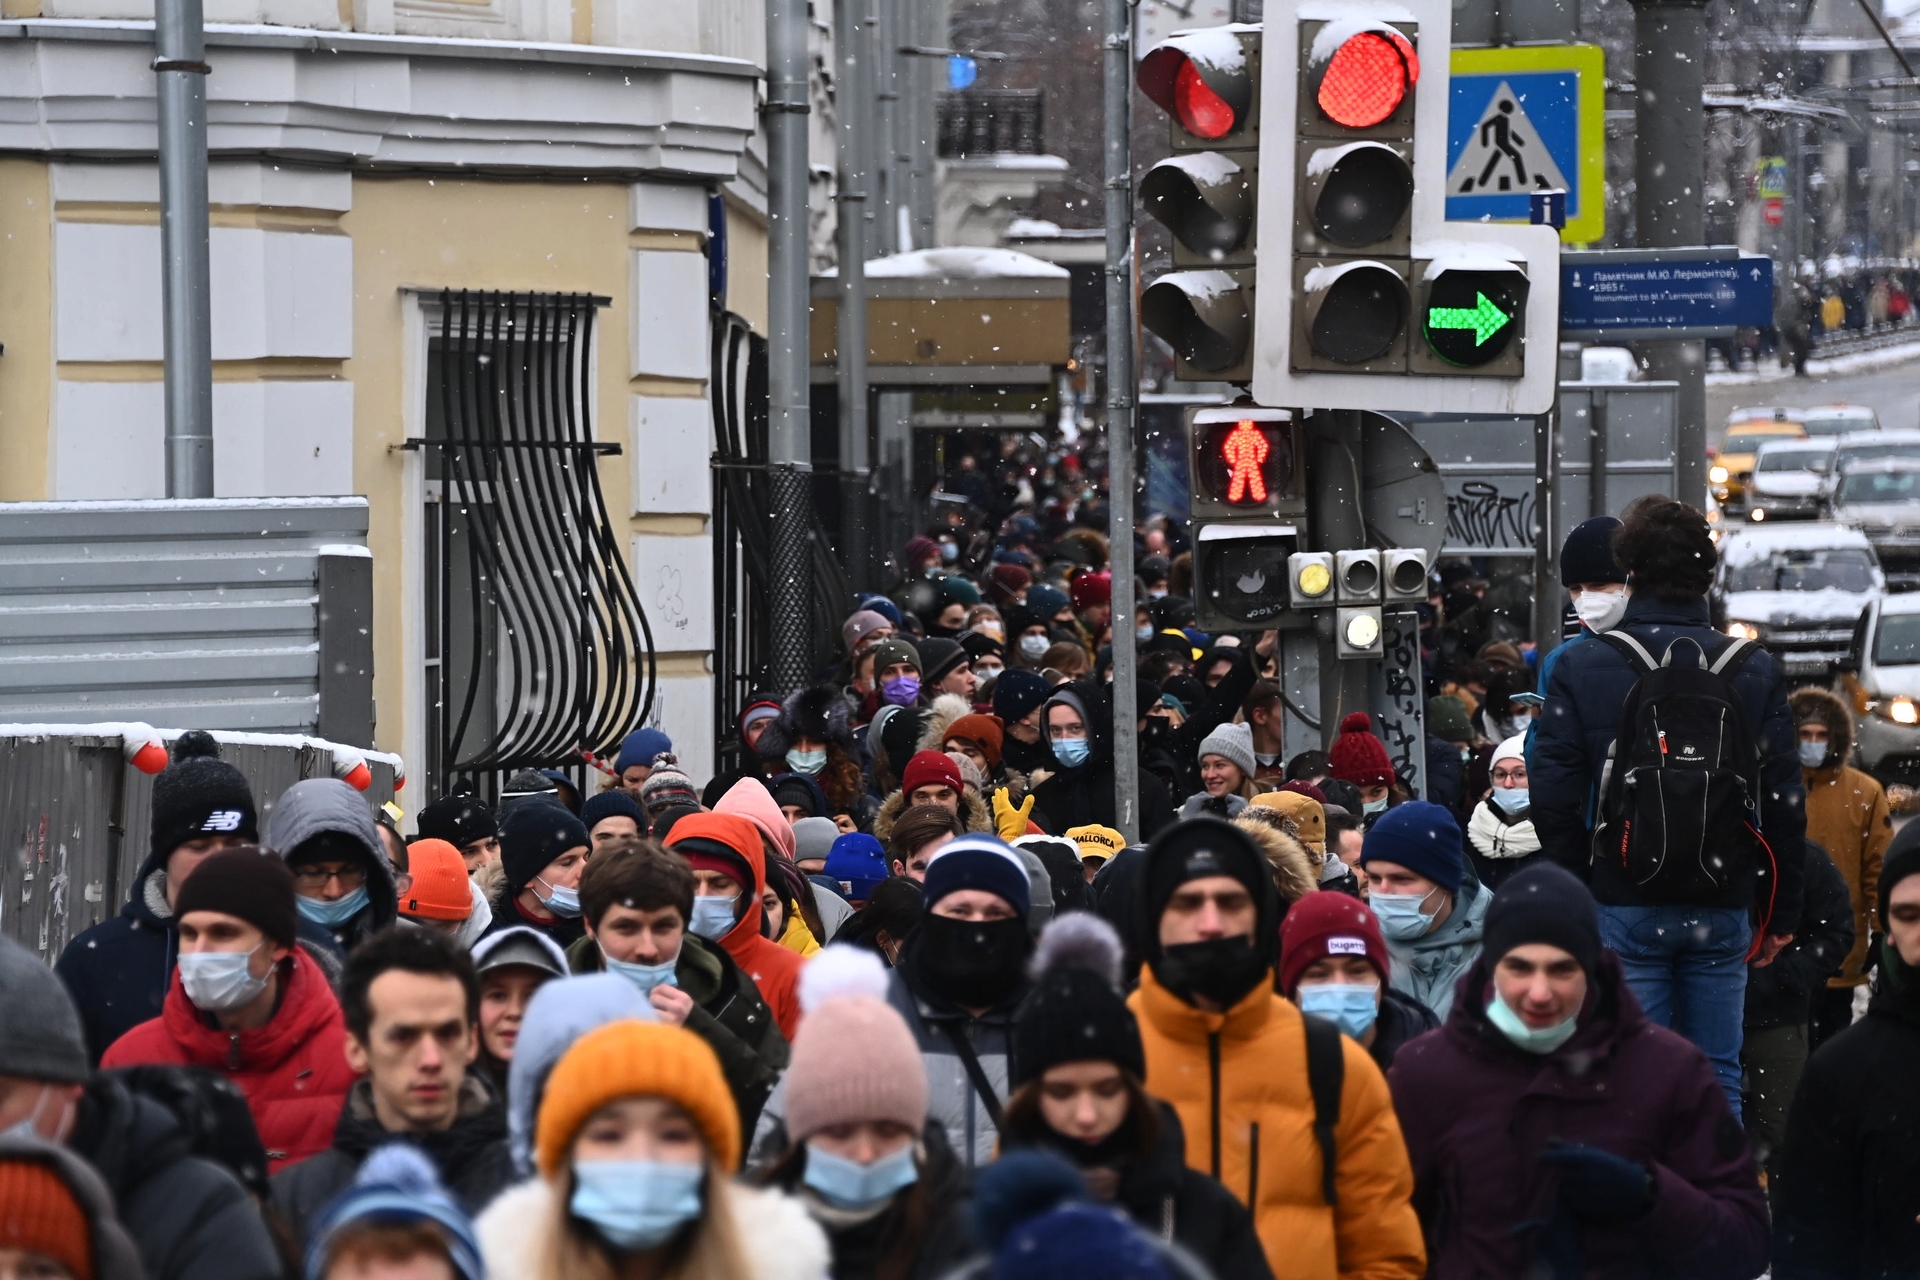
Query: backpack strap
(1326,1073)
(1732,658)
(1632,650)
(970,1061)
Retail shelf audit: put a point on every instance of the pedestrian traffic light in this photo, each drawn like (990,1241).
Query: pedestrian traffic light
(1377,302)
(1206,194)
(1246,462)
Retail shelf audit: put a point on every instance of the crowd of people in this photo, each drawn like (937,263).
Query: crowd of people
(894,999)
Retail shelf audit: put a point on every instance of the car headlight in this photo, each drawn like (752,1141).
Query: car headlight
(1743,631)
(1757,514)
(1902,711)
(1718,475)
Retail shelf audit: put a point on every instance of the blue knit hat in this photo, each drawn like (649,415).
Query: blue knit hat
(882,606)
(1421,837)
(1587,555)
(859,863)
(982,862)
(1046,600)
(640,747)
(612,804)
(1017,692)
(396,1187)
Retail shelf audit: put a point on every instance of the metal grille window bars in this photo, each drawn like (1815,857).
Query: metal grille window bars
(541,646)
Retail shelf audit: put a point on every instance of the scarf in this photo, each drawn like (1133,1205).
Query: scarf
(1495,837)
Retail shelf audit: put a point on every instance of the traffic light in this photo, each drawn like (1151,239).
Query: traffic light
(1248,502)
(1206,194)
(1377,302)
(1357,633)
(1404,571)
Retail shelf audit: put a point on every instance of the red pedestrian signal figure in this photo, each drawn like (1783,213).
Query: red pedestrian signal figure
(1245,452)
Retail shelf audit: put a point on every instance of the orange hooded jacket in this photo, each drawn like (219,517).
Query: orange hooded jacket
(1239,1083)
(773,968)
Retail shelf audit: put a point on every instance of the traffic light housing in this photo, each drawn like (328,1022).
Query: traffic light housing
(1206,194)
(1378,303)
(1248,502)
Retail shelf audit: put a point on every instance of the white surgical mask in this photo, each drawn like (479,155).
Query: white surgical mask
(1601,610)
(28,1126)
(713,916)
(220,981)
(1035,647)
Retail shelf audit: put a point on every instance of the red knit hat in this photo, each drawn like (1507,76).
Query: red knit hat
(1090,589)
(1005,581)
(984,732)
(1357,756)
(1328,923)
(930,769)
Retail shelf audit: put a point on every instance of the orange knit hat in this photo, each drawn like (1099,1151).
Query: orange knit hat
(39,1214)
(636,1059)
(439,890)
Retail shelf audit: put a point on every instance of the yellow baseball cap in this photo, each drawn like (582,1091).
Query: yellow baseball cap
(1097,841)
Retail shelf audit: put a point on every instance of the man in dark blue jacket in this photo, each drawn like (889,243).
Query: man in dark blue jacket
(1686,963)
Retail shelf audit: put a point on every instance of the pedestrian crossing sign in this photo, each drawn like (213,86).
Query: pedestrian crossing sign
(1525,119)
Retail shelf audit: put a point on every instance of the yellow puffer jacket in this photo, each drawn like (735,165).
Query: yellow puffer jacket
(1239,1081)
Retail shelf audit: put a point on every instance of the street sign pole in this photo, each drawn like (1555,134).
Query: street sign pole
(1122,391)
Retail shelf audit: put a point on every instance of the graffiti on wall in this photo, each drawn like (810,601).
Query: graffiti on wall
(1400,709)
(1483,514)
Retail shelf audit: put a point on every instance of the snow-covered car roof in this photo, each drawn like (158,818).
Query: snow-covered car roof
(1756,542)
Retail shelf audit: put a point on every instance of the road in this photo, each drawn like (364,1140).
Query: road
(1892,390)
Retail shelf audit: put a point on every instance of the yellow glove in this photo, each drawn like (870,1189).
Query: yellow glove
(1010,822)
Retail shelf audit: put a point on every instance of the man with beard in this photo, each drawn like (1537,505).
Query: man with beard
(1294,1118)
(960,976)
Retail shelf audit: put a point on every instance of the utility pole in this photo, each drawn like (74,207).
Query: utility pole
(1669,167)
(851,32)
(789,446)
(1122,387)
(180,68)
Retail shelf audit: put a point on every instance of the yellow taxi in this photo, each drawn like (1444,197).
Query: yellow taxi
(1732,466)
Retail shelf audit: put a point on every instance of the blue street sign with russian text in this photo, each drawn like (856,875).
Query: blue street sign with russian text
(1703,292)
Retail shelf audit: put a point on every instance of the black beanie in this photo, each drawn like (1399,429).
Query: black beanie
(1587,555)
(249,883)
(1201,847)
(1543,903)
(1903,860)
(459,820)
(200,795)
(532,835)
(1075,1012)
(938,658)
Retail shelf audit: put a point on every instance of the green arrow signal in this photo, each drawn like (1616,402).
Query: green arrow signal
(1484,318)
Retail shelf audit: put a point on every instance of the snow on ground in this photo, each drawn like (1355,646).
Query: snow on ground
(1852,362)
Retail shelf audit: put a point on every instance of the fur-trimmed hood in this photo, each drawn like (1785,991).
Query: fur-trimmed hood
(941,714)
(818,712)
(973,810)
(781,1239)
(1819,704)
(1296,872)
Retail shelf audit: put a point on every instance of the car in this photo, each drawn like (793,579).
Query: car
(1608,364)
(1789,479)
(1798,589)
(1838,419)
(1880,681)
(1881,498)
(1871,446)
(1733,465)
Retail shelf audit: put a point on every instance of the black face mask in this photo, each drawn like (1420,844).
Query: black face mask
(1221,970)
(974,963)
(1156,732)
(1024,757)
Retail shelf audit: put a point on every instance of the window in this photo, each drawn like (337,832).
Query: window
(1849,570)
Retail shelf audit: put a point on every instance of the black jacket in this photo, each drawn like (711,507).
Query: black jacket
(1084,796)
(1781,994)
(1401,1019)
(859,1248)
(191,1217)
(1848,1192)
(1159,1190)
(728,1013)
(471,1155)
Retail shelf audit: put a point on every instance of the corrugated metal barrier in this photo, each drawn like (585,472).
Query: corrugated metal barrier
(75,817)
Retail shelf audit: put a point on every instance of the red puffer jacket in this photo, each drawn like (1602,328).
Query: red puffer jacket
(293,1070)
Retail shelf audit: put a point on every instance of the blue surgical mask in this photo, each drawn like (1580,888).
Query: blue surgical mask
(637,1204)
(1814,754)
(335,913)
(900,691)
(713,917)
(1374,806)
(848,1184)
(1347,1005)
(559,899)
(1071,752)
(1511,799)
(807,762)
(644,976)
(1400,915)
(1533,1039)
(1143,634)
(219,981)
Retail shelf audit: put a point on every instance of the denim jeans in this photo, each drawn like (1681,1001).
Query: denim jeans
(1688,968)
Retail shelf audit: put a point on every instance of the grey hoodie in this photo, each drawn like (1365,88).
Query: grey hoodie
(1429,967)
(560,1012)
(320,805)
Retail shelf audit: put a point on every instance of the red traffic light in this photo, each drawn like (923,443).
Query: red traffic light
(1366,74)
(1202,79)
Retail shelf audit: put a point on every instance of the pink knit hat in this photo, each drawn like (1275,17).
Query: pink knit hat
(853,1057)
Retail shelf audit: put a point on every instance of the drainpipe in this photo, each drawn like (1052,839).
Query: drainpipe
(180,66)
(789,447)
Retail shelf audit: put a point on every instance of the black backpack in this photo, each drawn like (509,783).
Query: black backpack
(1679,792)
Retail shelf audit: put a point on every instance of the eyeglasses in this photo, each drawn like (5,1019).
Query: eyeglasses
(1509,775)
(313,876)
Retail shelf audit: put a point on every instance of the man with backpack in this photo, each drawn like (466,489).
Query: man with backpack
(1666,774)
(1293,1117)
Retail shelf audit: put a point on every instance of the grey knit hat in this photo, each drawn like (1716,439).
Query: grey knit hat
(1231,742)
(40,1037)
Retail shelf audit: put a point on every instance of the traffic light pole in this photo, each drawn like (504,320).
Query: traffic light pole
(180,69)
(1337,524)
(1122,387)
(790,448)
(852,35)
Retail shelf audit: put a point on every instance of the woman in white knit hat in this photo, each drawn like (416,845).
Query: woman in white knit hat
(1500,836)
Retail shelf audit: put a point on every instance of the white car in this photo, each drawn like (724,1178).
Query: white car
(1838,419)
(1880,680)
(1788,479)
(1882,499)
(1796,588)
